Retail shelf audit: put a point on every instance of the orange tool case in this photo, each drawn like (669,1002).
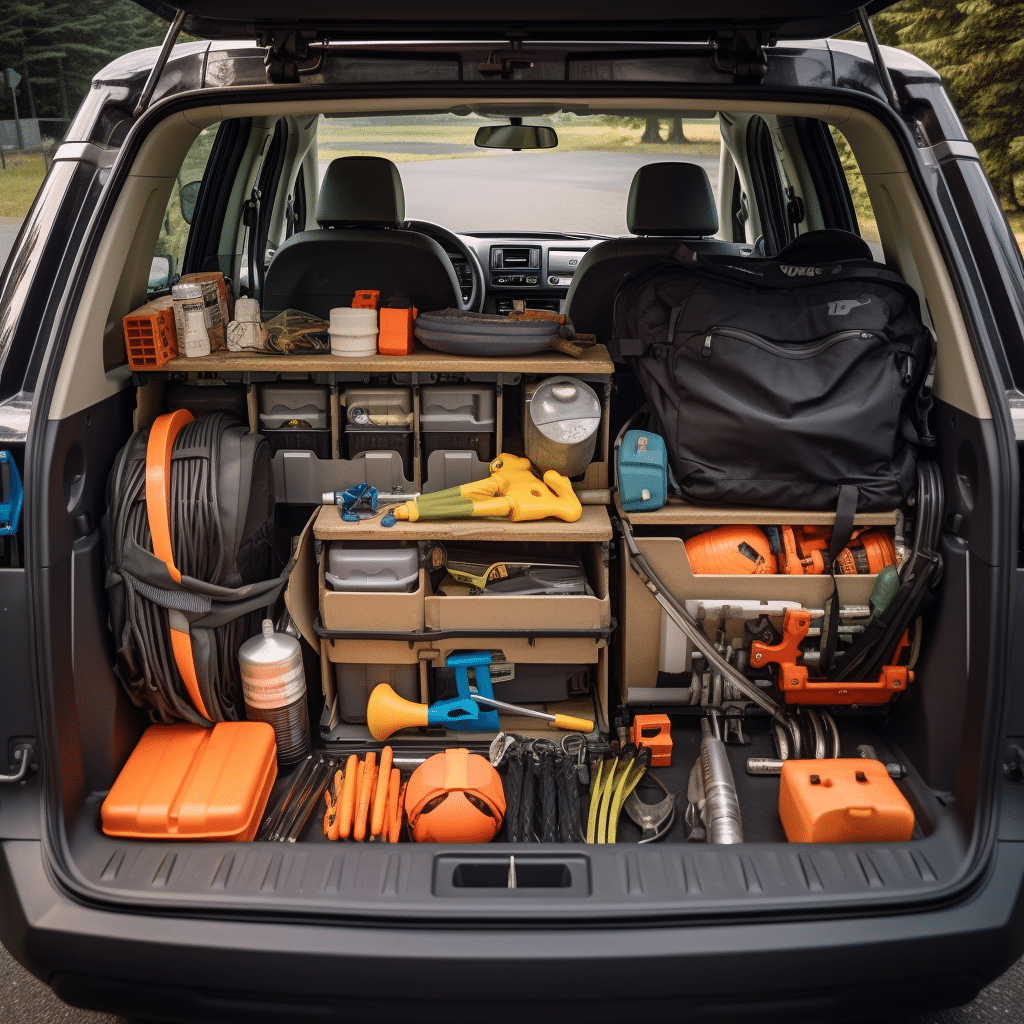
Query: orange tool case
(842,800)
(187,782)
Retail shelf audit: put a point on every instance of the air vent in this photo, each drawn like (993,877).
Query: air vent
(515,258)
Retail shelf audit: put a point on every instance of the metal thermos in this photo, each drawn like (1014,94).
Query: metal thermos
(561,422)
(274,688)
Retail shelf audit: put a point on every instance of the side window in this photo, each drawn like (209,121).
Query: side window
(169,254)
(866,225)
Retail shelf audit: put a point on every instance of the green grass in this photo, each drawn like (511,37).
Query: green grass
(20,182)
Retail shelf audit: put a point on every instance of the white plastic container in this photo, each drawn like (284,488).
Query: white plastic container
(353,331)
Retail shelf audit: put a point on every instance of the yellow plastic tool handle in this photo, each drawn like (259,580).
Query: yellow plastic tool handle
(575,724)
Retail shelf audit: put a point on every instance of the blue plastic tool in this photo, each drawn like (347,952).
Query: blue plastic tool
(463,713)
(12,496)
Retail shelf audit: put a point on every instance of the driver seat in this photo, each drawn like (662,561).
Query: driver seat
(359,244)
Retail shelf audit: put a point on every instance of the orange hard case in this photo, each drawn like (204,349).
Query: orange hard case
(852,801)
(187,782)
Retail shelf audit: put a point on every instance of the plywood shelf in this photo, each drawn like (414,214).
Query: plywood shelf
(421,360)
(681,513)
(593,525)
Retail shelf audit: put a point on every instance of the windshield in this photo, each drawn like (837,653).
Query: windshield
(579,187)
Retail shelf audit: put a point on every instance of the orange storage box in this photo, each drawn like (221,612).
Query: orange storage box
(150,337)
(842,800)
(187,782)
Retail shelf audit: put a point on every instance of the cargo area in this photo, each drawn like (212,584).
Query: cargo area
(546,614)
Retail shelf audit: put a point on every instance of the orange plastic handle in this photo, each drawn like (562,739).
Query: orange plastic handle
(347,797)
(397,808)
(366,786)
(380,799)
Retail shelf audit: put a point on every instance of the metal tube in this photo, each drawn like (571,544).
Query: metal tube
(876,55)
(165,51)
(721,804)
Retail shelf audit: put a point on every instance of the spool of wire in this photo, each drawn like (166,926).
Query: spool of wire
(274,688)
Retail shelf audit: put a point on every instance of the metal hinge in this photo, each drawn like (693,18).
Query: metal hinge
(741,54)
(505,64)
(286,50)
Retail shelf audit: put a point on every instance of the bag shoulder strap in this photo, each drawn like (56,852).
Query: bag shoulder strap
(162,435)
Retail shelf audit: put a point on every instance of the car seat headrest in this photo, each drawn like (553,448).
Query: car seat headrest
(671,198)
(361,191)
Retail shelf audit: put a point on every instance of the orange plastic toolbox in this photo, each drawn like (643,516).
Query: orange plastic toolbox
(842,800)
(187,782)
(149,334)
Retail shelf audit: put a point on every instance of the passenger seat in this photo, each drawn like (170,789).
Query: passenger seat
(669,203)
(359,244)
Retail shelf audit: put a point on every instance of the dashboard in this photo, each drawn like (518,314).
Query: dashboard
(535,268)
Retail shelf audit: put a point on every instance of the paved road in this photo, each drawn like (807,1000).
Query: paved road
(8,232)
(24,1000)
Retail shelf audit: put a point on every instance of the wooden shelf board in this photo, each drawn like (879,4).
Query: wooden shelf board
(681,513)
(594,525)
(421,360)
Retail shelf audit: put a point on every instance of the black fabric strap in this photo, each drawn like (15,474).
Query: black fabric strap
(846,508)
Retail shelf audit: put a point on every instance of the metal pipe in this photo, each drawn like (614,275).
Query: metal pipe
(721,804)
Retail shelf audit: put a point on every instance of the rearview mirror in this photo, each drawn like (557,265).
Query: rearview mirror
(516,136)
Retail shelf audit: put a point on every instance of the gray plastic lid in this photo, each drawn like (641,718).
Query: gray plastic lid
(565,409)
(269,649)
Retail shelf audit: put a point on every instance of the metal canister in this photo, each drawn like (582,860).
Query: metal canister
(274,688)
(562,419)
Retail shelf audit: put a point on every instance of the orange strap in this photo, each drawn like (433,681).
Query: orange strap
(158,509)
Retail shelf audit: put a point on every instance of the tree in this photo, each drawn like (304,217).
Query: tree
(57,47)
(978,48)
(675,130)
(652,130)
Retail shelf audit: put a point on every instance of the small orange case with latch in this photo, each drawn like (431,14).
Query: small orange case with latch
(395,334)
(842,800)
(187,782)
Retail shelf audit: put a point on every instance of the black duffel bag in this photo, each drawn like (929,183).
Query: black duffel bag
(776,382)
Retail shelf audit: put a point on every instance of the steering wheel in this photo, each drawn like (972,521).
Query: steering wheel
(444,238)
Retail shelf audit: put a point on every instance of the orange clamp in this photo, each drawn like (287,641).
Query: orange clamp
(795,624)
(654,731)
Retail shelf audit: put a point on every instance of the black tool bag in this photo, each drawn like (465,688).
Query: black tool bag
(774,383)
(221,519)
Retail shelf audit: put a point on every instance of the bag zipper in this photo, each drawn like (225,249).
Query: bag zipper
(782,350)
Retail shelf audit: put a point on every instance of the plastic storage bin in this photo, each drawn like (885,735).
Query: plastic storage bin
(353,567)
(295,417)
(379,420)
(458,417)
(355,683)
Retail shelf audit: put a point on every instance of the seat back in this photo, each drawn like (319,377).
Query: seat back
(668,203)
(358,245)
